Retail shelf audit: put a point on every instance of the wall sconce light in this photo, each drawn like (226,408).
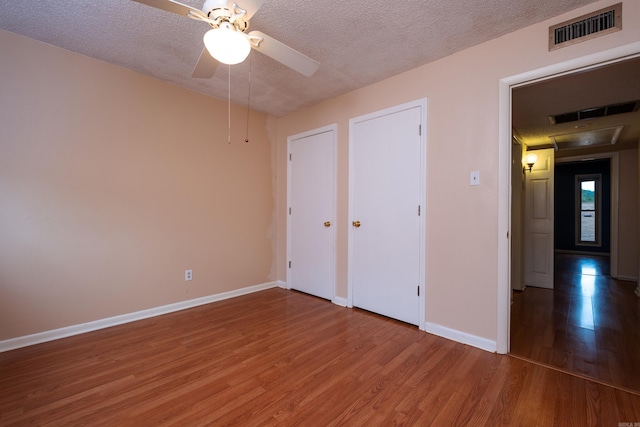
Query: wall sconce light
(530,160)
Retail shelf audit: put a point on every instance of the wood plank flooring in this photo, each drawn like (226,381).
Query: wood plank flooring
(280,357)
(589,324)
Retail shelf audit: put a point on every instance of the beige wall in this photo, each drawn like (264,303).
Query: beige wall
(463,131)
(628,215)
(112,184)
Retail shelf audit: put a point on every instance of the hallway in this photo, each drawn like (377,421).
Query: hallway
(588,325)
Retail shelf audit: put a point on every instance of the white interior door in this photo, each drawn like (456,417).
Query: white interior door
(538,224)
(385,213)
(311,213)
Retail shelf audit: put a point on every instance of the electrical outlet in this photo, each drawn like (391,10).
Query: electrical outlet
(188,275)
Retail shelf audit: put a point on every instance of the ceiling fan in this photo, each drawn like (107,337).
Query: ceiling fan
(228,41)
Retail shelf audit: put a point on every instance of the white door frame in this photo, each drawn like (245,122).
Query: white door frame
(422,103)
(333,128)
(505,85)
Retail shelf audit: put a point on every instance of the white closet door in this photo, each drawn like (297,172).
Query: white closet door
(386,174)
(311,214)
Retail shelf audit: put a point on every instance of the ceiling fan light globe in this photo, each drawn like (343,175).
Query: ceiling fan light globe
(227,45)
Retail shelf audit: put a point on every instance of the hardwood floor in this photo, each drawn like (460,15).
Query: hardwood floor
(280,357)
(589,324)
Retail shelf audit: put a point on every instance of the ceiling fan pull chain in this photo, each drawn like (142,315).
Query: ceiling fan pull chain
(229,106)
(246,139)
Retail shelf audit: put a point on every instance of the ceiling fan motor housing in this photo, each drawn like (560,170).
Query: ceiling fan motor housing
(218,12)
(210,5)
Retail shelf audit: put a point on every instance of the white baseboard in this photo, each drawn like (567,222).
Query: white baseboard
(68,331)
(282,284)
(626,278)
(461,337)
(342,302)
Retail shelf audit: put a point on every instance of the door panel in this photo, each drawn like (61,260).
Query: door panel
(311,217)
(540,197)
(540,258)
(386,173)
(539,211)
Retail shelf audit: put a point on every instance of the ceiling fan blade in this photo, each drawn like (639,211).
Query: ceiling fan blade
(171,6)
(251,6)
(284,54)
(206,66)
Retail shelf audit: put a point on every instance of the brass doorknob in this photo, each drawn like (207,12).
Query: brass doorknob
(356,224)
(327,223)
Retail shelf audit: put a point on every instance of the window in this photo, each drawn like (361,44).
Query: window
(588,207)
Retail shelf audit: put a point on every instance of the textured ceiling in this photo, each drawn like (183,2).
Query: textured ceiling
(356,42)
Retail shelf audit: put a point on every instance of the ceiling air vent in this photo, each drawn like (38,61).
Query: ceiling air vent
(589,138)
(590,113)
(586,27)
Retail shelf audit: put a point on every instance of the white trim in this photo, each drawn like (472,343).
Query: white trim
(504,218)
(95,325)
(627,278)
(333,129)
(461,337)
(342,302)
(504,166)
(422,103)
(281,284)
(424,121)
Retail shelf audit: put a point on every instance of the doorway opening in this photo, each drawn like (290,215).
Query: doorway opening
(506,264)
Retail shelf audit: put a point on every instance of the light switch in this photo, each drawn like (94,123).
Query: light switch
(474,178)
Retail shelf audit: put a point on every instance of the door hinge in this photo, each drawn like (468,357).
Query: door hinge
(289,156)
(420,130)
(289,264)
(418,210)
(418,290)
(289,211)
